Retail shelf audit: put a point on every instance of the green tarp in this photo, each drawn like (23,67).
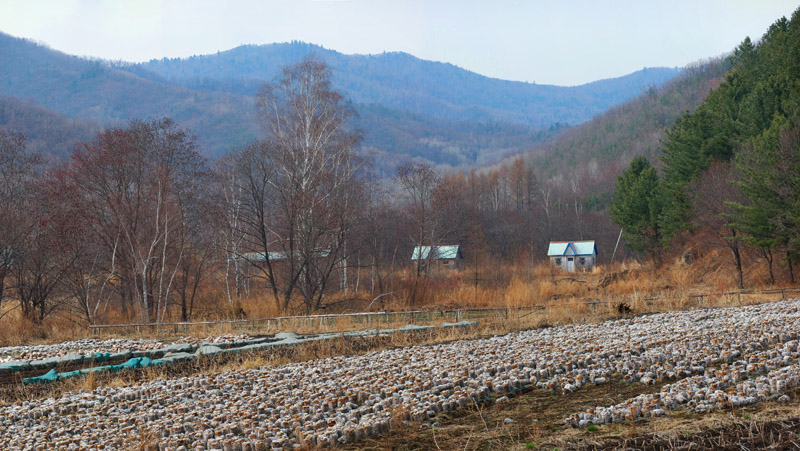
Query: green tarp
(50,376)
(132,364)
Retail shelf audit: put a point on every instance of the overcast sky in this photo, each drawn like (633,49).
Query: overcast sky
(552,42)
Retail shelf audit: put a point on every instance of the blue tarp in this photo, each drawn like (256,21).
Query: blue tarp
(50,376)
(131,364)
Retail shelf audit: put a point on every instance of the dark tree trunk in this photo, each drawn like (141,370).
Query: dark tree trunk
(737,259)
(768,257)
(184,307)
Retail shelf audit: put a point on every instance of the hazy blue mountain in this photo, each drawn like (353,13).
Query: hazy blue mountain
(409,108)
(95,91)
(402,81)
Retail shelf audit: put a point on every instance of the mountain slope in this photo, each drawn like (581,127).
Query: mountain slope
(402,81)
(594,153)
(46,132)
(394,136)
(405,112)
(97,92)
(94,91)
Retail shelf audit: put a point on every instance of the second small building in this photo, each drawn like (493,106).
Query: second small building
(444,256)
(573,256)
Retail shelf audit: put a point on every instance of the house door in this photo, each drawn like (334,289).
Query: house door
(570,264)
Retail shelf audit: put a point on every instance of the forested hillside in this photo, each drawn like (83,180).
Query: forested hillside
(45,131)
(409,108)
(395,136)
(596,152)
(94,91)
(402,81)
(730,168)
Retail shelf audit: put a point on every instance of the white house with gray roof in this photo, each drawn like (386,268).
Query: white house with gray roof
(573,256)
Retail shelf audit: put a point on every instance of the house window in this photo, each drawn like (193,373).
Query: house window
(558,262)
(582,260)
(570,259)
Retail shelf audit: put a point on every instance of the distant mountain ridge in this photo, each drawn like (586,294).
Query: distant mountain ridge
(94,91)
(399,80)
(409,108)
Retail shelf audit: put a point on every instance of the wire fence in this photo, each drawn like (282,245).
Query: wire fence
(375,319)
(363,318)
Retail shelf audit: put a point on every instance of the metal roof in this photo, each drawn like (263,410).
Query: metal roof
(277,256)
(439,252)
(559,248)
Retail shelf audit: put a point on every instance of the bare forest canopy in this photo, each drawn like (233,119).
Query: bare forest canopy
(408,108)
(729,169)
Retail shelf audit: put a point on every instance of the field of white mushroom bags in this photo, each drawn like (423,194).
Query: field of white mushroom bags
(713,358)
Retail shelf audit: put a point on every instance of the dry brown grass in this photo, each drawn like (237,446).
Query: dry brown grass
(16,330)
(495,284)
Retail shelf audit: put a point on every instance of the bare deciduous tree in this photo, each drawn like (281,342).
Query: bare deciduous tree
(135,185)
(301,183)
(18,171)
(227,204)
(50,251)
(710,196)
(419,182)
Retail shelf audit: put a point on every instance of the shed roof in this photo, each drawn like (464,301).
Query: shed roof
(277,256)
(559,248)
(449,252)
